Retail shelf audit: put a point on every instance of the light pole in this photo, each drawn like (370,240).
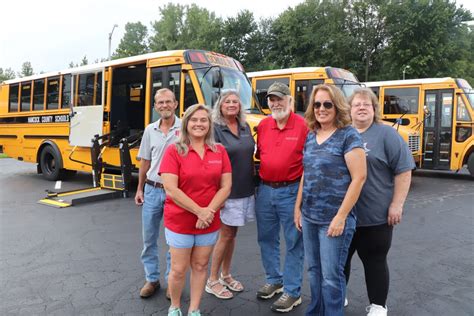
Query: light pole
(110,38)
(404,69)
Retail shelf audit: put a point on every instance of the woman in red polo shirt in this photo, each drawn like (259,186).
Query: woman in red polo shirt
(196,174)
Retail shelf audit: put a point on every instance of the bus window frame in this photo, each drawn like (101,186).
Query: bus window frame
(74,85)
(33,109)
(18,96)
(20,105)
(50,79)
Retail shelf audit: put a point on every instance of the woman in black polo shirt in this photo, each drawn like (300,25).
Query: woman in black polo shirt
(234,133)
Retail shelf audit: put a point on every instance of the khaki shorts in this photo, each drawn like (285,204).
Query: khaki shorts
(238,212)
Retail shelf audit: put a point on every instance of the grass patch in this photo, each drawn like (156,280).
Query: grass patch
(3,156)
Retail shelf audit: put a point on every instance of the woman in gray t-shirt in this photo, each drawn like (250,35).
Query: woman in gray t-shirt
(380,204)
(234,133)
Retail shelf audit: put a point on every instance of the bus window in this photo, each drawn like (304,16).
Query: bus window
(190,97)
(262,86)
(52,94)
(303,89)
(401,101)
(376,91)
(174,80)
(38,95)
(165,77)
(13,99)
(462,113)
(98,89)
(446,115)
(25,96)
(66,92)
(89,91)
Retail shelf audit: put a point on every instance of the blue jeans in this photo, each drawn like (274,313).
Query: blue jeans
(152,213)
(275,207)
(326,258)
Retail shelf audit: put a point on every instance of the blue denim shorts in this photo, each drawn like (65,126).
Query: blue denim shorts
(177,240)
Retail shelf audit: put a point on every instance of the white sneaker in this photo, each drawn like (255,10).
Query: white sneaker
(346,302)
(376,310)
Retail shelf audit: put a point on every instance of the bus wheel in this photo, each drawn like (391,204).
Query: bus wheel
(50,163)
(470,164)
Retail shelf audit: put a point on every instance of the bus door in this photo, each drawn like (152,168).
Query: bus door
(165,77)
(87,109)
(303,89)
(438,129)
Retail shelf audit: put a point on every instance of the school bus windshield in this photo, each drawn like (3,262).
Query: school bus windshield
(232,79)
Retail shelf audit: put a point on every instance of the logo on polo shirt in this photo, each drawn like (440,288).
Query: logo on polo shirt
(291,138)
(215,161)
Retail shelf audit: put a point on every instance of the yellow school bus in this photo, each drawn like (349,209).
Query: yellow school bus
(301,82)
(50,119)
(440,110)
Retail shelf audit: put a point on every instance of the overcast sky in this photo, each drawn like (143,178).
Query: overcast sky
(52,33)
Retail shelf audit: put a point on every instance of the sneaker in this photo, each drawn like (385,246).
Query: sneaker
(285,303)
(149,289)
(269,290)
(376,310)
(346,302)
(174,311)
(195,313)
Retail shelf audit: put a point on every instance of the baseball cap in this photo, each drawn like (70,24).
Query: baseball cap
(279,89)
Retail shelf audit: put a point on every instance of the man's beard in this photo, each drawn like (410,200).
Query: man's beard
(281,114)
(166,114)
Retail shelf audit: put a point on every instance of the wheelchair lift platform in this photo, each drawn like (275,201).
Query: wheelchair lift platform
(106,185)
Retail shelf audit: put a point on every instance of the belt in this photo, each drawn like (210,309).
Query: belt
(280,184)
(154,184)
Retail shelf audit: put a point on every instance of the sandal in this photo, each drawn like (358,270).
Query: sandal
(224,293)
(233,285)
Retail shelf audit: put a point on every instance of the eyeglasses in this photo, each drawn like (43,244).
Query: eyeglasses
(360,105)
(327,105)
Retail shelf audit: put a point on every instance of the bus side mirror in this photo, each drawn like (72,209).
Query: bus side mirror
(215,96)
(217,81)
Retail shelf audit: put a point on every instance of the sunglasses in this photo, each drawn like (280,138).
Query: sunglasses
(327,105)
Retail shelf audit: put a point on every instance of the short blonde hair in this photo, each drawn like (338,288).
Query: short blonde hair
(367,92)
(183,142)
(343,117)
(217,113)
(163,91)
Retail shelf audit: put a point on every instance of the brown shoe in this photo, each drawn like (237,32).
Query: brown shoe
(168,296)
(149,289)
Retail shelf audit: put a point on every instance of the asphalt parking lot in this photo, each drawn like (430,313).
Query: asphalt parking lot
(84,260)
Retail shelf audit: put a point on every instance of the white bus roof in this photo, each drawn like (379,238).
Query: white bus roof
(86,68)
(283,71)
(408,82)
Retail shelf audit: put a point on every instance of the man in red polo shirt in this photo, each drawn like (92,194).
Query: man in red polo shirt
(280,143)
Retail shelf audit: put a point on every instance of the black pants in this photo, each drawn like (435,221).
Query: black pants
(372,245)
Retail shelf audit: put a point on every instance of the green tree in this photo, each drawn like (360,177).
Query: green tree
(367,28)
(26,69)
(84,61)
(183,26)
(427,35)
(241,38)
(6,74)
(133,42)
(314,33)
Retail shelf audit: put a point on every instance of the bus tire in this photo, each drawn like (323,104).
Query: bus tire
(470,164)
(51,164)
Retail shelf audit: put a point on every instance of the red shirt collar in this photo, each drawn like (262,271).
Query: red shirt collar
(290,124)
